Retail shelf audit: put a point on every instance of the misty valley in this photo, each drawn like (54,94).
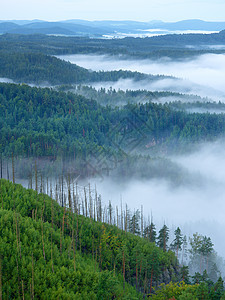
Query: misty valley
(112,167)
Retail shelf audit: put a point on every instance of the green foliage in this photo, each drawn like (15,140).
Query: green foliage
(173,46)
(39,122)
(202,258)
(51,252)
(43,69)
(177,243)
(163,237)
(150,232)
(182,291)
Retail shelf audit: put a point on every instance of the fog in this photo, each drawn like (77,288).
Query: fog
(197,208)
(154,32)
(170,85)
(203,75)
(193,206)
(205,110)
(6,80)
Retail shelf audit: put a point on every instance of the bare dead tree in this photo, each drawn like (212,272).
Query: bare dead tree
(121,216)
(36,179)
(90,203)
(13,168)
(85,202)
(142,221)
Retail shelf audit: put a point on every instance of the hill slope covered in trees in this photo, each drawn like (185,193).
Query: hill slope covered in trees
(38,68)
(48,252)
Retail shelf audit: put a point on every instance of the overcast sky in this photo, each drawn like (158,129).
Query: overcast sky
(141,10)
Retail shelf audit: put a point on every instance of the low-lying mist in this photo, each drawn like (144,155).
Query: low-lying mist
(203,75)
(6,80)
(197,208)
(170,85)
(195,203)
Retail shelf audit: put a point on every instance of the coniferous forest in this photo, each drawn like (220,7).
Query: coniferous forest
(59,238)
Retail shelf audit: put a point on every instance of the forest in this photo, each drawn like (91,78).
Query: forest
(59,238)
(38,68)
(37,122)
(171,45)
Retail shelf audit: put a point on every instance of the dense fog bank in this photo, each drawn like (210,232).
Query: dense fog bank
(202,75)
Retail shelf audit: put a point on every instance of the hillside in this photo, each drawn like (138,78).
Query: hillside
(47,252)
(37,68)
(43,123)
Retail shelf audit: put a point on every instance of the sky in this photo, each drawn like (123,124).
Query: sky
(141,10)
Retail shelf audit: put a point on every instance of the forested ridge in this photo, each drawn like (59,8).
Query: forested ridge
(44,69)
(48,251)
(172,45)
(42,122)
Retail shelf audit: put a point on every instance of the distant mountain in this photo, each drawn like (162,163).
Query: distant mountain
(99,28)
(8,26)
(39,27)
(192,25)
(22,22)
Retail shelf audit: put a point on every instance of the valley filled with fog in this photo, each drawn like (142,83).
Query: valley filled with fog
(195,207)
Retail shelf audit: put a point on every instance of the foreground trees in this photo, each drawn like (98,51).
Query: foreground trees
(48,249)
(43,243)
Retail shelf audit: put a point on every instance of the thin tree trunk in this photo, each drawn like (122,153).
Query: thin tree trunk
(0,278)
(136,273)
(121,215)
(74,253)
(17,266)
(42,234)
(1,165)
(13,169)
(32,277)
(151,280)
(36,181)
(69,194)
(85,202)
(142,221)
(52,213)
(22,291)
(123,270)
(62,232)
(62,191)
